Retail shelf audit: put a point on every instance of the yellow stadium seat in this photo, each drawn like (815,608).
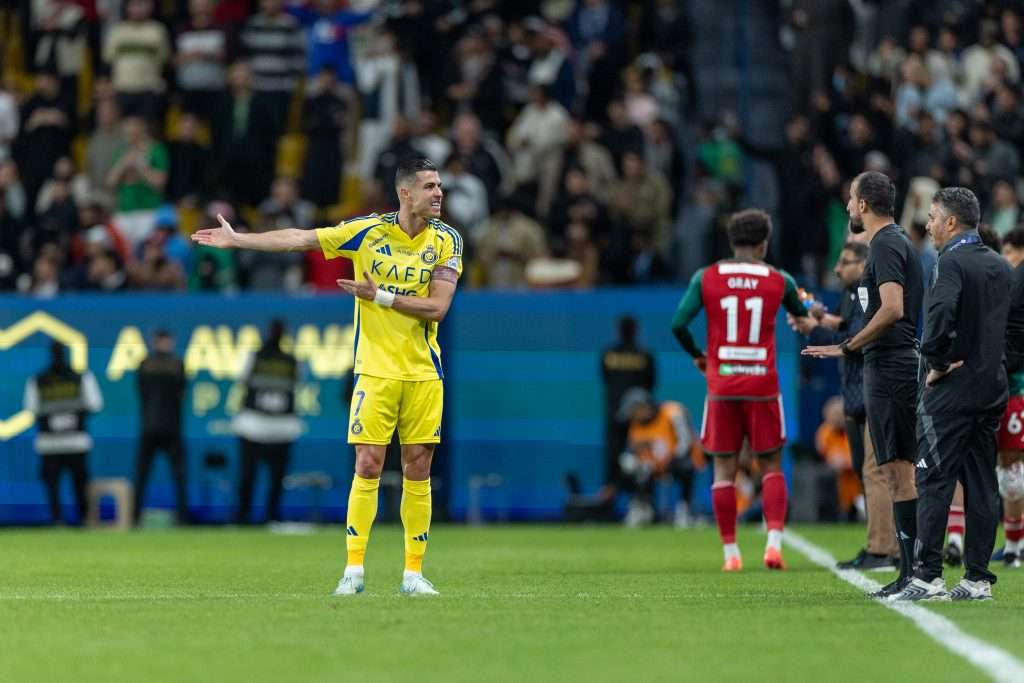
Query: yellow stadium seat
(79,148)
(189,218)
(291,153)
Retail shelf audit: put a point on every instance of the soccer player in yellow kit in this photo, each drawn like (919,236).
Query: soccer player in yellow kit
(410,263)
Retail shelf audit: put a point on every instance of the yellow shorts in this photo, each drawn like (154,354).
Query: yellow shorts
(379,405)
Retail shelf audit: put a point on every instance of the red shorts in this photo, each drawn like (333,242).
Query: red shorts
(726,423)
(1011,427)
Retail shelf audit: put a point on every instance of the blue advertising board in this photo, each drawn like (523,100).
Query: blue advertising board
(524,399)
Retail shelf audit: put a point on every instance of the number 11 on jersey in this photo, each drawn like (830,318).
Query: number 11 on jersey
(731,305)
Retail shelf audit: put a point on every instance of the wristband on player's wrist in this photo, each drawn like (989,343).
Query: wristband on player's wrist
(384,298)
(845,348)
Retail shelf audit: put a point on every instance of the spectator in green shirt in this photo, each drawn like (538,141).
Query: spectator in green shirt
(137,179)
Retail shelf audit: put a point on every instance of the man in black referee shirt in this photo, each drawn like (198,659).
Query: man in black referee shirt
(890,293)
(963,399)
(161,384)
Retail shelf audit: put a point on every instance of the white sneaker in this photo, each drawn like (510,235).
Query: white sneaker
(918,589)
(416,584)
(682,519)
(971,590)
(639,514)
(351,584)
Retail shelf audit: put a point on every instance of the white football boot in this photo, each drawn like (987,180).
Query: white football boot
(351,583)
(416,584)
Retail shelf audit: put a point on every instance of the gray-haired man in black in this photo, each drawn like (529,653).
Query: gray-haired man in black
(963,397)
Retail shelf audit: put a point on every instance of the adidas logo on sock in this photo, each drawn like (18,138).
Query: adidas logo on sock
(422,537)
(351,531)
(386,250)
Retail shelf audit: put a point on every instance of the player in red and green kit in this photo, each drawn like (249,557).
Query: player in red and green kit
(741,297)
(1010,470)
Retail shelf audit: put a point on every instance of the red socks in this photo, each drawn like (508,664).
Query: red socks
(723,501)
(1014,529)
(955,521)
(774,500)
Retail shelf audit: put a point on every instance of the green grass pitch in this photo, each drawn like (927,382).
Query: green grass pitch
(518,603)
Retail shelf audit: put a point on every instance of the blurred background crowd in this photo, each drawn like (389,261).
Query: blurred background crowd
(582,142)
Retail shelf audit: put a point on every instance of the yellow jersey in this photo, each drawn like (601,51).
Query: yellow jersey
(389,343)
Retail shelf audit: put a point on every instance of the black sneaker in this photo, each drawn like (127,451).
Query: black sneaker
(879,563)
(893,588)
(952,555)
(1011,560)
(855,563)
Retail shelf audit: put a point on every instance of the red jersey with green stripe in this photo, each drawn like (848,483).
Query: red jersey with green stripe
(741,300)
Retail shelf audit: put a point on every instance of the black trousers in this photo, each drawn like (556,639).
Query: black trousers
(855,435)
(149,446)
(50,469)
(615,436)
(642,486)
(954,448)
(276,456)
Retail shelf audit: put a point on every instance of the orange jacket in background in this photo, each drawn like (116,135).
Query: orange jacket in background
(659,440)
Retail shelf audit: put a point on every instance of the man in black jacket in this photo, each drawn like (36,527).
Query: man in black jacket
(834,329)
(624,365)
(963,398)
(161,383)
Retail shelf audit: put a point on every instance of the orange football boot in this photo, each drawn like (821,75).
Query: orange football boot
(733,564)
(773,559)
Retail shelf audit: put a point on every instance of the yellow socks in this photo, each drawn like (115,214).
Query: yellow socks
(416,507)
(362,510)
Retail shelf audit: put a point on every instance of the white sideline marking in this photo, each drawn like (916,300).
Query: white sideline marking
(998,664)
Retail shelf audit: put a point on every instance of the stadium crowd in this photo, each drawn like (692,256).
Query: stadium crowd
(569,132)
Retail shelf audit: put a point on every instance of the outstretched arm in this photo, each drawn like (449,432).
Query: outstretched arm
(890,311)
(431,308)
(225,237)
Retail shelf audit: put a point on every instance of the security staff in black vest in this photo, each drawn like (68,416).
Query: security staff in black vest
(161,384)
(624,365)
(267,423)
(61,399)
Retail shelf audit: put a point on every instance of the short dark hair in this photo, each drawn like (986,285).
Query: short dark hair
(858,249)
(162,333)
(989,237)
(275,332)
(961,204)
(1015,238)
(57,356)
(627,328)
(408,168)
(877,191)
(749,228)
